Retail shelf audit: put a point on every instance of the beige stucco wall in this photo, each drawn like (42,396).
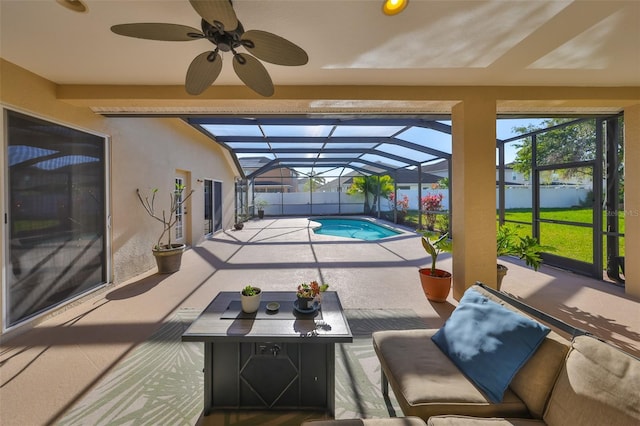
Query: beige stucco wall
(145,153)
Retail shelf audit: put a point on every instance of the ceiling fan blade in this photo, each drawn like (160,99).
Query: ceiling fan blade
(158,31)
(253,74)
(203,72)
(273,48)
(216,10)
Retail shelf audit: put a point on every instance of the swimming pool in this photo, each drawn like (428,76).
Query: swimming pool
(360,229)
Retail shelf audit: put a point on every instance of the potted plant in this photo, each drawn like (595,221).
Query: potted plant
(261,204)
(527,248)
(436,283)
(307,293)
(168,255)
(250,298)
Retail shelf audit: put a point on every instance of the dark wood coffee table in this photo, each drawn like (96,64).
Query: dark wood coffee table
(269,360)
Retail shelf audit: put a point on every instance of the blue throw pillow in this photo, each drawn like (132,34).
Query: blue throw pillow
(488,342)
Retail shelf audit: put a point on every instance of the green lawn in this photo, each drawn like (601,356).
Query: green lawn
(570,241)
(574,242)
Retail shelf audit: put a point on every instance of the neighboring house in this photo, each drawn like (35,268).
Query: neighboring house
(513,177)
(406,180)
(275,180)
(439,168)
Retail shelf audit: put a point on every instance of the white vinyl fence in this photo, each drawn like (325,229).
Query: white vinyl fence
(321,203)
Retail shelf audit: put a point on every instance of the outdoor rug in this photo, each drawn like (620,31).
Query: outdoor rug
(161,383)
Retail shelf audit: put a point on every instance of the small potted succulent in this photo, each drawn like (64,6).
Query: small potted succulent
(250,297)
(308,292)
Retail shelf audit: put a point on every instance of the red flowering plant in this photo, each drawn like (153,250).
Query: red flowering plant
(431,203)
(401,204)
(310,290)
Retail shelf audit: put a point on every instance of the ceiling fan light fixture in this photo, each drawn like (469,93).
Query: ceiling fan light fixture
(75,5)
(393,7)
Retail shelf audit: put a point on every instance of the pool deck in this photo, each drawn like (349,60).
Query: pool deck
(46,370)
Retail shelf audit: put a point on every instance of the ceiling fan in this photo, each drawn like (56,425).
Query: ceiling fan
(221,27)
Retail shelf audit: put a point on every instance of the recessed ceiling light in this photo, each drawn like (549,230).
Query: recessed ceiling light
(75,5)
(393,7)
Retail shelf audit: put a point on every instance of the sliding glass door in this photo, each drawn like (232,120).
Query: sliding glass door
(56,215)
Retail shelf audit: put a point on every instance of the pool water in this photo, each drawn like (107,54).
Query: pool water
(359,229)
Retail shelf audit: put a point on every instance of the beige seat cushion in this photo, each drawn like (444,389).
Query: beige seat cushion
(426,383)
(599,385)
(400,421)
(472,421)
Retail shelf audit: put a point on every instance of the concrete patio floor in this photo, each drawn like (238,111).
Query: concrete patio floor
(47,369)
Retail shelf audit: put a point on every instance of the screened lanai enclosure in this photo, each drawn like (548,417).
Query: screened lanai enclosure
(555,177)
(308,166)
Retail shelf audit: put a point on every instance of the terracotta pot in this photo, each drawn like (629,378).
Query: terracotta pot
(169,260)
(436,287)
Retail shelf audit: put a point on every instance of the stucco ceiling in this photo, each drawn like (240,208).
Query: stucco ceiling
(349,42)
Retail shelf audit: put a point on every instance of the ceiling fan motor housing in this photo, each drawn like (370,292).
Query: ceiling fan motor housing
(225,40)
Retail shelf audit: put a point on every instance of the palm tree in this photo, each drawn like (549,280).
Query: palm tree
(371,185)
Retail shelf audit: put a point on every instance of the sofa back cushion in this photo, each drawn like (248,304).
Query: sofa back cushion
(598,385)
(533,383)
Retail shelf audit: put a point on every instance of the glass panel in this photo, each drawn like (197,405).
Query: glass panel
(366,131)
(296,155)
(567,194)
(346,156)
(217,206)
(574,242)
(208,206)
(57,215)
(361,145)
(306,145)
(179,226)
(250,145)
(518,215)
(429,138)
(384,160)
(232,130)
(566,144)
(409,153)
(293,130)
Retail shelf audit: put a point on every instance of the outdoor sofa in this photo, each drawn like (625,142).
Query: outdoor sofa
(578,380)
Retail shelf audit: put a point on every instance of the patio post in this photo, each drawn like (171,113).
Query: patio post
(632,198)
(474,193)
